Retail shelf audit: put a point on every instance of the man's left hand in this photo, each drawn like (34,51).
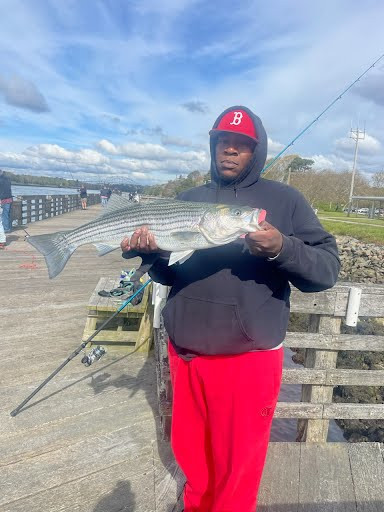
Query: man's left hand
(267,242)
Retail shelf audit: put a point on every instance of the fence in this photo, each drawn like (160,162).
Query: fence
(28,209)
(319,375)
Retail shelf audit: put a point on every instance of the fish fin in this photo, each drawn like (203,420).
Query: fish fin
(117,202)
(105,248)
(56,250)
(180,256)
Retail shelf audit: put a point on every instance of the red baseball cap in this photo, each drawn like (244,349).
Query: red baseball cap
(236,121)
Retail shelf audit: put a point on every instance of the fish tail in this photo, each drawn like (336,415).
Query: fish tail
(56,250)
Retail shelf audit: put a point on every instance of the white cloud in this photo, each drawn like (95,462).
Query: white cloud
(140,175)
(368,145)
(274,147)
(113,82)
(146,162)
(107,146)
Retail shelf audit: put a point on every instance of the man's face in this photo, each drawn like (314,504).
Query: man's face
(233,153)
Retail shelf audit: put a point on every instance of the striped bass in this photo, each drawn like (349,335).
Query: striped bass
(180,227)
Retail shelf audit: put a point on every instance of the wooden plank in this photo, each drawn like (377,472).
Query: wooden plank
(336,377)
(317,430)
(279,487)
(325,478)
(315,303)
(367,467)
(334,342)
(298,410)
(50,469)
(371,304)
(329,411)
(355,377)
(95,297)
(83,393)
(122,487)
(168,478)
(354,411)
(53,435)
(305,410)
(112,336)
(335,301)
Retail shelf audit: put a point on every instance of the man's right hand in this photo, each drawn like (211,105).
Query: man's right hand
(142,240)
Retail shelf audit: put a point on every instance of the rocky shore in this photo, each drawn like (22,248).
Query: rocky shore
(360,262)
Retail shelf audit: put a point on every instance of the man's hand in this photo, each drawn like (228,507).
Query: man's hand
(142,240)
(267,242)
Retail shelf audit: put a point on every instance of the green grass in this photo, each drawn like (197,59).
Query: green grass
(353,218)
(370,234)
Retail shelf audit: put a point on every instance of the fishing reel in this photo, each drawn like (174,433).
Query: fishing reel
(93,355)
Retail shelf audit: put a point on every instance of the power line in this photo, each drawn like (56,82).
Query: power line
(323,112)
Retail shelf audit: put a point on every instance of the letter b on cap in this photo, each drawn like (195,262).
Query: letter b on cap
(237,117)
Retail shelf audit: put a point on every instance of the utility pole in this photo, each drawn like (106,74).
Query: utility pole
(356,135)
(289,175)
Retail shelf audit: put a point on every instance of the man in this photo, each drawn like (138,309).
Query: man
(3,239)
(227,314)
(104,195)
(6,203)
(83,197)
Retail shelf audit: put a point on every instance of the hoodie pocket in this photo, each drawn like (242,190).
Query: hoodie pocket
(206,327)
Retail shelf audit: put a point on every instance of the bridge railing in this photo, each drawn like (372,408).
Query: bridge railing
(319,375)
(27,209)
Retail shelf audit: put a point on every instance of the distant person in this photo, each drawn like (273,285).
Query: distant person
(104,196)
(3,240)
(136,197)
(109,193)
(130,196)
(6,201)
(83,197)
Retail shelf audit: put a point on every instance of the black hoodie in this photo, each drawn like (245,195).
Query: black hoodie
(225,300)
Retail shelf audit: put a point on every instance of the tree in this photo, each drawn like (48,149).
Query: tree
(279,170)
(299,164)
(378,179)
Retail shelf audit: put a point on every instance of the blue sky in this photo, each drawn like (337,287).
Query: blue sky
(130,89)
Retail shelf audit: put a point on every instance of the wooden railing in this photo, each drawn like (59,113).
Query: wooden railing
(319,375)
(26,209)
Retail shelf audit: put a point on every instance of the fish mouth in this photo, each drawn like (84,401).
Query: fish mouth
(252,220)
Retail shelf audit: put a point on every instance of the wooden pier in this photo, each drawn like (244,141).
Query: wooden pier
(90,440)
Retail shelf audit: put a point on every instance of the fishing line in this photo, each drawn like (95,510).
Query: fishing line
(318,117)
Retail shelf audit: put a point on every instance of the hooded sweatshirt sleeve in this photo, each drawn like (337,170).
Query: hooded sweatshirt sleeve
(309,256)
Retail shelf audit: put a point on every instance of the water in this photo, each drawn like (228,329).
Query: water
(286,429)
(30,190)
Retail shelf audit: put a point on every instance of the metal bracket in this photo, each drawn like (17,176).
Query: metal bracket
(353,306)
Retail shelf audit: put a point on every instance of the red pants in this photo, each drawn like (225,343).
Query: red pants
(222,415)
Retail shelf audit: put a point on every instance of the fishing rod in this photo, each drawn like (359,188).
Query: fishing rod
(318,117)
(68,169)
(94,355)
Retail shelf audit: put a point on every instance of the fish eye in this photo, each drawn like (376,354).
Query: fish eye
(237,213)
